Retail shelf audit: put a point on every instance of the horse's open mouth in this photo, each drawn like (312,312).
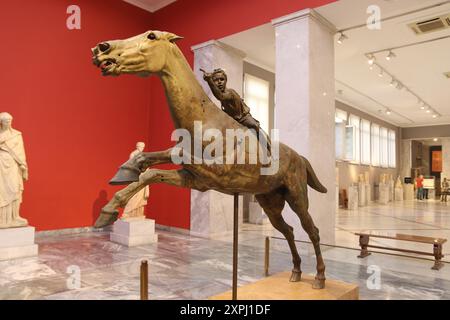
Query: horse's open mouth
(107,65)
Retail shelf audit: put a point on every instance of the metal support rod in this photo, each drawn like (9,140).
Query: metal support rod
(266,257)
(144,280)
(235,244)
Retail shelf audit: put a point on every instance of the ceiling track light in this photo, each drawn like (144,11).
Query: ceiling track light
(371,59)
(393,82)
(390,55)
(342,38)
(388,112)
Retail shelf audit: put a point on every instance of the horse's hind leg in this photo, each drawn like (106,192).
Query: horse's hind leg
(297,197)
(273,204)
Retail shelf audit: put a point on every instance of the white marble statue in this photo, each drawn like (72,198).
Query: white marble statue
(398,183)
(13,172)
(135,206)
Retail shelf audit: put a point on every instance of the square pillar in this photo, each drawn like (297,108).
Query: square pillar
(305,108)
(445,158)
(212,211)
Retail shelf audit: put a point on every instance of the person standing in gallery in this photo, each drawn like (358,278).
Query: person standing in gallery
(445,188)
(419,185)
(135,206)
(13,172)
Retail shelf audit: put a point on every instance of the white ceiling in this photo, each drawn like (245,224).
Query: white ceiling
(150,5)
(419,67)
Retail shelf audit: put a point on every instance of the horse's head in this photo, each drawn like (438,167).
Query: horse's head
(143,54)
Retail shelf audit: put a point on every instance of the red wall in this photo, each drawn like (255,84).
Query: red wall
(78,126)
(199,21)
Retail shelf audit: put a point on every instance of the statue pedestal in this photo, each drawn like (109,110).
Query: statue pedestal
(398,194)
(17,243)
(384,190)
(278,287)
(352,198)
(362,202)
(408,192)
(368,194)
(134,232)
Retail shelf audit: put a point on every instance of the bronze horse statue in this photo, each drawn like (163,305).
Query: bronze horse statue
(155,53)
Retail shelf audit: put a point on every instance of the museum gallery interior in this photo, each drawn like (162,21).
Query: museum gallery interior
(217,150)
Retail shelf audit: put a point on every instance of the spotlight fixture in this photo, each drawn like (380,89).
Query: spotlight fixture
(381,74)
(428,111)
(435,139)
(371,60)
(342,38)
(399,86)
(422,107)
(391,55)
(388,112)
(393,82)
(435,116)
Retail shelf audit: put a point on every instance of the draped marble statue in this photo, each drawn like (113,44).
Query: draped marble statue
(13,172)
(135,206)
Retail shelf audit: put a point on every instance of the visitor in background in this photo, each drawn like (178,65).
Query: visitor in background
(419,185)
(445,188)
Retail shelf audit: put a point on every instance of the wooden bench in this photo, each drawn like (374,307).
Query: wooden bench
(436,242)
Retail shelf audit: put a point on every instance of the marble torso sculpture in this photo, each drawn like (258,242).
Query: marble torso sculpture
(135,206)
(398,183)
(155,53)
(13,171)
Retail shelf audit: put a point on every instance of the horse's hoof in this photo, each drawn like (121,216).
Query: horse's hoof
(125,175)
(318,284)
(296,276)
(106,218)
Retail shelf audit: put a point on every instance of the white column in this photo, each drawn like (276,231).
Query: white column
(445,158)
(405,159)
(212,211)
(305,107)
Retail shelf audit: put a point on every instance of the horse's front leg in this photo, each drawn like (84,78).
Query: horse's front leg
(110,213)
(131,170)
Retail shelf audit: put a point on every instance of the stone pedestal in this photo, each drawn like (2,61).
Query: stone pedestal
(305,107)
(362,202)
(408,192)
(17,243)
(278,287)
(368,193)
(391,190)
(398,194)
(352,198)
(134,232)
(256,214)
(384,191)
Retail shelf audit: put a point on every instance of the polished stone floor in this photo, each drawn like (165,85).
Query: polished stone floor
(88,266)
(425,218)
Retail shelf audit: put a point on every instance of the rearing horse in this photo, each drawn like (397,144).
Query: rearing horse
(155,52)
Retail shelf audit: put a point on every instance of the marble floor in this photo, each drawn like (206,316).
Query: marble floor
(89,266)
(424,218)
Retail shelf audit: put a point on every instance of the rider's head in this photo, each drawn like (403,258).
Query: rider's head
(219,78)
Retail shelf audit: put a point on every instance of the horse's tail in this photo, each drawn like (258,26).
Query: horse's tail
(312,179)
